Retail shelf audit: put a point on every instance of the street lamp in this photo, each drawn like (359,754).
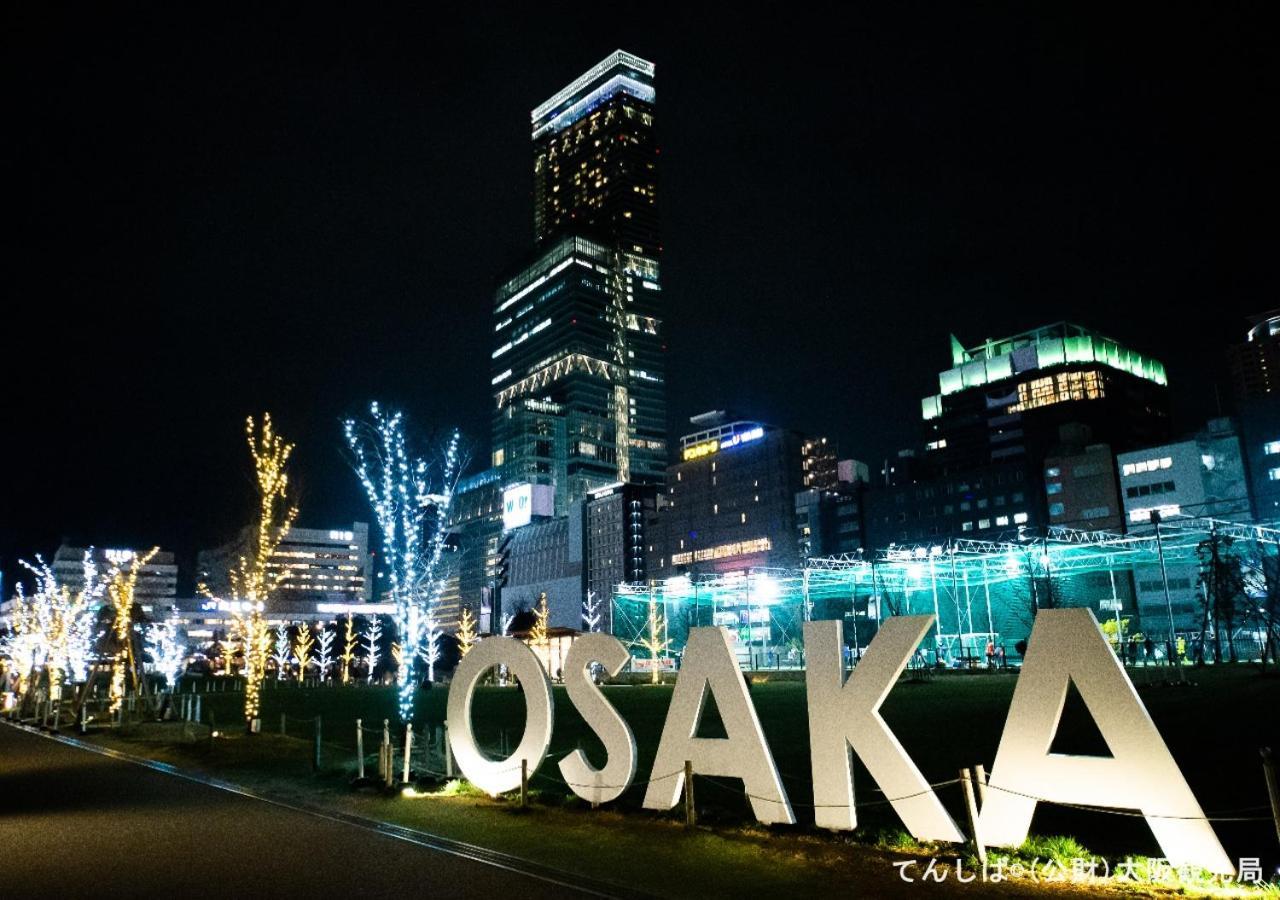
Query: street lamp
(1168,600)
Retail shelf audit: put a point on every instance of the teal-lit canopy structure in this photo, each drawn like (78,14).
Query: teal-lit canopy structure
(980,591)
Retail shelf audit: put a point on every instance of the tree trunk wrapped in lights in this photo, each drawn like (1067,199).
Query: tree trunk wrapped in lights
(348,648)
(122,584)
(411,518)
(253,578)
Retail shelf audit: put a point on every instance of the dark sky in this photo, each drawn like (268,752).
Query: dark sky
(214,213)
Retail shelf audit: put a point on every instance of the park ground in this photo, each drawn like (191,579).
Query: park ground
(1214,726)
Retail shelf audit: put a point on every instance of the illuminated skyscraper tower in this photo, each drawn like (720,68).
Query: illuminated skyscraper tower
(577,369)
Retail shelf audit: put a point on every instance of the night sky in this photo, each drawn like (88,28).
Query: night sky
(215,213)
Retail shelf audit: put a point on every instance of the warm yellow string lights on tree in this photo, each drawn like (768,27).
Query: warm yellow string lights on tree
(253,579)
(54,627)
(466,631)
(348,648)
(121,587)
(656,640)
(302,645)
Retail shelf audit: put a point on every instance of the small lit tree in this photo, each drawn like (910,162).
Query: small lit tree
(302,644)
(591,612)
(655,639)
(324,642)
(167,650)
(348,648)
(54,627)
(372,643)
(282,656)
(466,631)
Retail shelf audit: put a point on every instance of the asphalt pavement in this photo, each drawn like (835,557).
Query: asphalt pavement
(74,823)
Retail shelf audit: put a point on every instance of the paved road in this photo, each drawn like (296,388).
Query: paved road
(75,823)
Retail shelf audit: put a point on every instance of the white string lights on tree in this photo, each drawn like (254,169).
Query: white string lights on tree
(372,643)
(54,628)
(281,655)
(410,517)
(167,651)
(324,645)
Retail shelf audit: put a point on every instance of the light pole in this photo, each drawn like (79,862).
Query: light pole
(1172,652)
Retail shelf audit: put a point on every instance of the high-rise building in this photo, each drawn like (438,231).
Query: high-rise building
(1007,400)
(1260,435)
(577,369)
(475,525)
(615,521)
(1255,363)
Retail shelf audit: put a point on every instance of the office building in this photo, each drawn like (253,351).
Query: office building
(577,370)
(1201,476)
(545,557)
(475,526)
(157,585)
(1081,489)
(1006,400)
(829,519)
(615,523)
(729,503)
(316,564)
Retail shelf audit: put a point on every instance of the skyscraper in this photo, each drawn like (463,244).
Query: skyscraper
(577,369)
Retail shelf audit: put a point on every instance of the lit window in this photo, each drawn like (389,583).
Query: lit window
(1273,474)
(1270,448)
(966,526)
(1056,509)
(744,518)
(984,523)
(1001,521)
(1053,472)
(1019,518)
(1053,487)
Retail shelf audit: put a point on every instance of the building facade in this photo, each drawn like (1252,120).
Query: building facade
(1255,363)
(316,565)
(475,527)
(1081,490)
(1260,439)
(157,585)
(729,504)
(1201,476)
(615,530)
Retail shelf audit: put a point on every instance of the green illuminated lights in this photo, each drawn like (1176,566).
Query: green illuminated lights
(1054,345)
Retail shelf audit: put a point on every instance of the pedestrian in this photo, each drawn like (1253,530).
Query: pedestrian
(1000,656)
(1149,651)
(991,654)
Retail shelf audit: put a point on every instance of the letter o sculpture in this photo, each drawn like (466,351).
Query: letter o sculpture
(496,776)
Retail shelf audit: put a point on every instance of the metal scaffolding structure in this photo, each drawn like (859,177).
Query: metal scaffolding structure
(981,591)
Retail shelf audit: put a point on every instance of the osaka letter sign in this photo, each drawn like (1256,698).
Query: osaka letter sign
(1066,647)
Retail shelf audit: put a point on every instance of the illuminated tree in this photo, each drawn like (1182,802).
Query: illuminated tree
(372,643)
(348,648)
(324,642)
(655,639)
(168,652)
(302,645)
(538,634)
(122,585)
(410,516)
(253,578)
(591,614)
(466,631)
(281,656)
(55,628)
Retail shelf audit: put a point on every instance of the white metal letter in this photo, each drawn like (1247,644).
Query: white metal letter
(1067,646)
(844,717)
(709,665)
(589,783)
(490,775)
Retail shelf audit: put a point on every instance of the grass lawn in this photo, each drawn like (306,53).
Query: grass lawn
(1214,728)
